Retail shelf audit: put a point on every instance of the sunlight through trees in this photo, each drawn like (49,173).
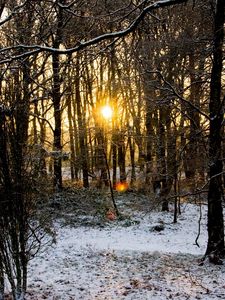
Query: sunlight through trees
(119,96)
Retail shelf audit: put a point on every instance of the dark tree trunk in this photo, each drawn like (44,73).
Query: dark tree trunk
(100,157)
(113,99)
(101,147)
(81,127)
(69,101)
(1,280)
(42,123)
(223,150)
(194,156)
(132,157)
(56,96)
(88,77)
(149,103)
(162,159)
(137,128)
(150,138)
(76,138)
(71,134)
(215,246)
(114,157)
(122,157)
(192,145)
(13,141)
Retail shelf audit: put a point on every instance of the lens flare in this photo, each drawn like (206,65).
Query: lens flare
(110,215)
(121,186)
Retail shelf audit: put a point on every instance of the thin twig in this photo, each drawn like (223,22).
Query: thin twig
(199,224)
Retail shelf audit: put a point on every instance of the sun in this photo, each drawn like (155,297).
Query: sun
(107,112)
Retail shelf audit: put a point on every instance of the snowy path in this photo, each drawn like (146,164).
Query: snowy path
(118,262)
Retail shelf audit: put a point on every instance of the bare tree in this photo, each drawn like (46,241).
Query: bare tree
(17,56)
(215,247)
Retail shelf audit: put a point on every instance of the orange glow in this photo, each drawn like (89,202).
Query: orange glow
(121,186)
(111,216)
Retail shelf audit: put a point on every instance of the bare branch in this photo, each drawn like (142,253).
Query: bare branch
(34,49)
(15,10)
(176,93)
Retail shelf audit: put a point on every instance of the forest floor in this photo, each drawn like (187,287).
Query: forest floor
(141,256)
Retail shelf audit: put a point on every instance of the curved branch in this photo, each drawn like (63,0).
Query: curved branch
(34,49)
(176,93)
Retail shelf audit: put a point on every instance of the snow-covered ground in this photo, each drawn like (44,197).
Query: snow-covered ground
(129,259)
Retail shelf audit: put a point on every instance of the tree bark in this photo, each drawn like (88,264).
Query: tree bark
(122,157)
(56,99)
(215,246)
(132,156)
(81,127)
(56,95)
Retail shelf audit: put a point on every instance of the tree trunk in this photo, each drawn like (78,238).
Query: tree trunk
(132,157)
(114,156)
(56,99)
(192,147)
(215,246)
(113,100)
(149,104)
(57,146)
(69,100)
(76,137)
(194,156)
(122,157)
(161,159)
(81,127)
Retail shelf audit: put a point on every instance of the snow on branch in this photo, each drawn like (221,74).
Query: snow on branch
(34,49)
(15,10)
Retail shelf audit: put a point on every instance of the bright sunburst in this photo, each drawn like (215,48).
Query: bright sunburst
(107,112)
